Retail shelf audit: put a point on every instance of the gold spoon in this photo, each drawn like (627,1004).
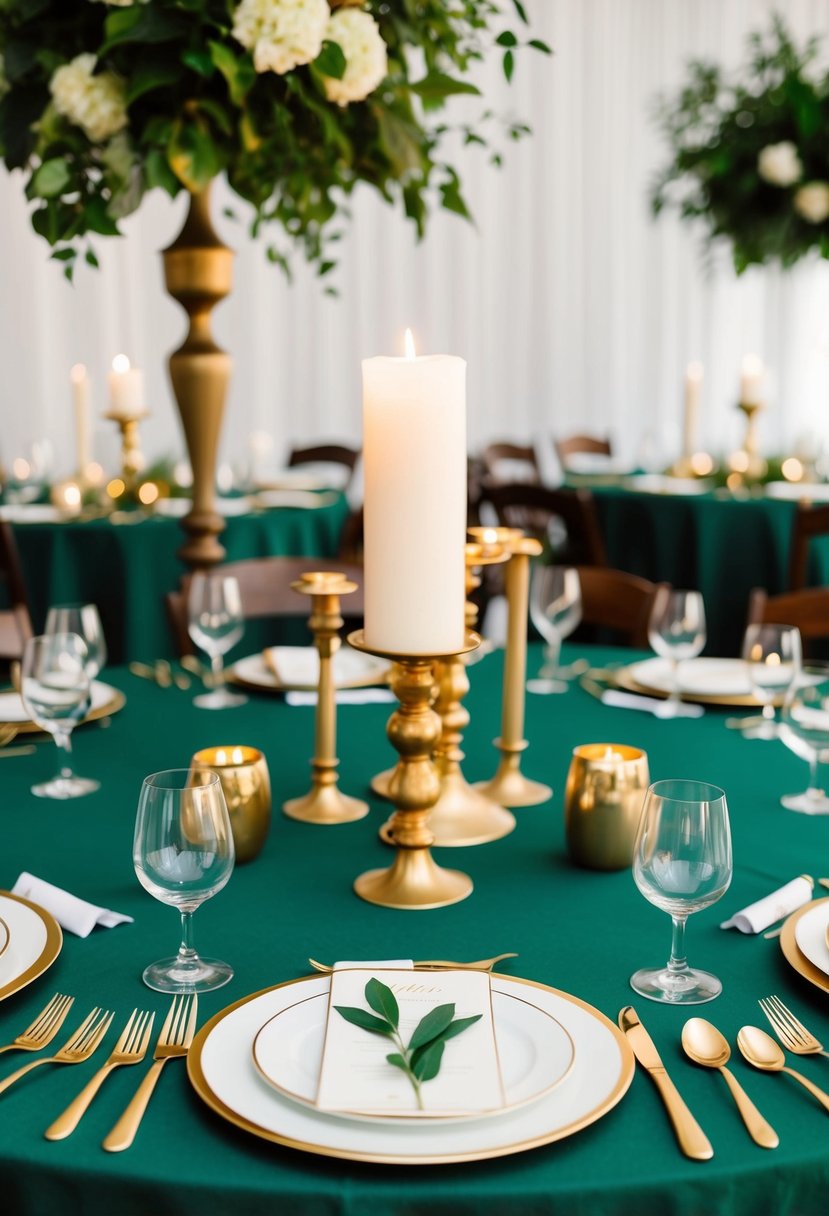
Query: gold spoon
(761,1050)
(439,964)
(704,1044)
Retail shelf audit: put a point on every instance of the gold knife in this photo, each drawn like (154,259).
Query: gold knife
(692,1139)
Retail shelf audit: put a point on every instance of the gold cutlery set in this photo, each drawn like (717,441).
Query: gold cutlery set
(174,1039)
(706,1046)
(162,673)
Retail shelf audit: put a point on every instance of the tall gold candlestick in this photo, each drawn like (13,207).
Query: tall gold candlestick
(132,458)
(509,786)
(325,802)
(752,464)
(414,880)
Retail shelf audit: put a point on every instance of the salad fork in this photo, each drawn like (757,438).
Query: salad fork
(78,1047)
(45,1026)
(790,1031)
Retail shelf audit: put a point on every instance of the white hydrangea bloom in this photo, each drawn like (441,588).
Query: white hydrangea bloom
(281,33)
(812,202)
(780,164)
(97,104)
(358,36)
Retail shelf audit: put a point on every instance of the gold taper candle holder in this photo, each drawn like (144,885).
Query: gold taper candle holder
(509,786)
(414,880)
(246,785)
(132,458)
(748,460)
(325,802)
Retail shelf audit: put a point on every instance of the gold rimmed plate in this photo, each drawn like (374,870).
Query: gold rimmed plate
(351,670)
(34,942)
(106,701)
(706,681)
(222,1071)
(794,955)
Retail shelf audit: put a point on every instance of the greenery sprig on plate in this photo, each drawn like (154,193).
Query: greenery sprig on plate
(421,1059)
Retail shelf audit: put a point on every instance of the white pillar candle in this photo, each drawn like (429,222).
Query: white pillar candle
(752,380)
(80,400)
(126,388)
(414,455)
(693,385)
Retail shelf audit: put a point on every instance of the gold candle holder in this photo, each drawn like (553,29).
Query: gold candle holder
(132,458)
(414,880)
(246,784)
(325,802)
(509,786)
(748,460)
(606,786)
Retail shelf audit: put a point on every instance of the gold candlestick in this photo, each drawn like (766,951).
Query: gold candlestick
(509,786)
(325,802)
(414,880)
(132,459)
(751,464)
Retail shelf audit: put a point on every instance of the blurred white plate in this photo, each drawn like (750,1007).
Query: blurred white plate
(697,677)
(298,668)
(305,499)
(105,700)
(176,508)
(658,483)
(33,513)
(794,491)
(304,478)
(34,942)
(810,935)
(588,463)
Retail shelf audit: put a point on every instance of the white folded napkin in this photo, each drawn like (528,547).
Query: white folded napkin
(72,913)
(633,700)
(764,912)
(387,964)
(345,696)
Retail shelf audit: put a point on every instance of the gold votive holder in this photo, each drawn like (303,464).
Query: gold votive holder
(132,458)
(603,798)
(243,772)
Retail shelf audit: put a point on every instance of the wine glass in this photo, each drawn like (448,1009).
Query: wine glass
(676,631)
(804,728)
(555,609)
(772,656)
(54,686)
(82,619)
(215,623)
(183,855)
(681,864)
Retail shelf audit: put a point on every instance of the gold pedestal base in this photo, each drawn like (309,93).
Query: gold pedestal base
(463,816)
(509,786)
(325,804)
(414,880)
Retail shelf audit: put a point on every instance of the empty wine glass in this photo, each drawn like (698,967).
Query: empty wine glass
(54,686)
(555,609)
(183,855)
(215,623)
(804,728)
(82,619)
(772,657)
(676,631)
(681,864)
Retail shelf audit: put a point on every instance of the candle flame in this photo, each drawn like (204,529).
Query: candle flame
(238,755)
(77,373)
(120,364)
(71,495)
(695,371)
(410,346)
(752,365)
(490,536)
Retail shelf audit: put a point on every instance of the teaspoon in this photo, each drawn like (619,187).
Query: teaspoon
(704,1044)
(761,1050)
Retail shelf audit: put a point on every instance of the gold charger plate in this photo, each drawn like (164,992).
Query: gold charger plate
(116,702)
(50,951)
(794,955)
(593,1023)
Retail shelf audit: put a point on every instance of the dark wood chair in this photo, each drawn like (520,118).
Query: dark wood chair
(809,521)
(565,521)
(565,448)
(619,603)
(15,618)
(505,463)
(350,544)
(807,609)
(326,453)
(265,586)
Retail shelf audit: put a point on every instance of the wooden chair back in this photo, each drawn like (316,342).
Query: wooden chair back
(517,458)
(809,521)
(565,521)
(807,609)
(15,617)
(565,448)
(325,453)
(620,602)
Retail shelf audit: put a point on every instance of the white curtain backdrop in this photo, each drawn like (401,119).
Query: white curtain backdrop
(574,309)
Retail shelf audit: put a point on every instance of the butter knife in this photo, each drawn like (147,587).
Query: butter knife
(692,1139)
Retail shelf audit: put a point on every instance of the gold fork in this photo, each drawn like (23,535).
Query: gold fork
(790,1031)
(174,1040)
(130,1049)
(76,1049)
(45,1026)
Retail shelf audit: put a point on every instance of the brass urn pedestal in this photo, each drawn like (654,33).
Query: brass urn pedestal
(198,272)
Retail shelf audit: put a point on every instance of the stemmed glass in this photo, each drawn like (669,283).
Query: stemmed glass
(215,623)
(772,656)
(804,728)
(183,855)
(555,610)
(82,619)
(676,631)
(681,864)
(54,686)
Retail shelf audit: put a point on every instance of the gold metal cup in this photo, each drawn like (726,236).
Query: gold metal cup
(603,798)
(243,772)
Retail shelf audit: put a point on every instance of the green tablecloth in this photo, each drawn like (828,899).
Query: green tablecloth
(127,569)
(580,931)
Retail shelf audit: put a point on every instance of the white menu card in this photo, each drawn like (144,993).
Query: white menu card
(355,1076)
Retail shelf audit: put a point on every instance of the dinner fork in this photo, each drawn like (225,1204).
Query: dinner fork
(130,1049)
(174,1040)
(790,1031)
(78,1047)
(45,1026)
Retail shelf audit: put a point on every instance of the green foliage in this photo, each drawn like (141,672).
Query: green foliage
(197,107)
(717,128)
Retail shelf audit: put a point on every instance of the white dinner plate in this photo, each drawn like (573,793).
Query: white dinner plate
(105,699)
(298,671)
(701,677)
(597,464)
(176,508)
(794,491)
(5,937)
(33,513)
(222,1071)
(306,500)
(34,942)
(659,483)
(303,478)
(535,1053)
(810,935)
